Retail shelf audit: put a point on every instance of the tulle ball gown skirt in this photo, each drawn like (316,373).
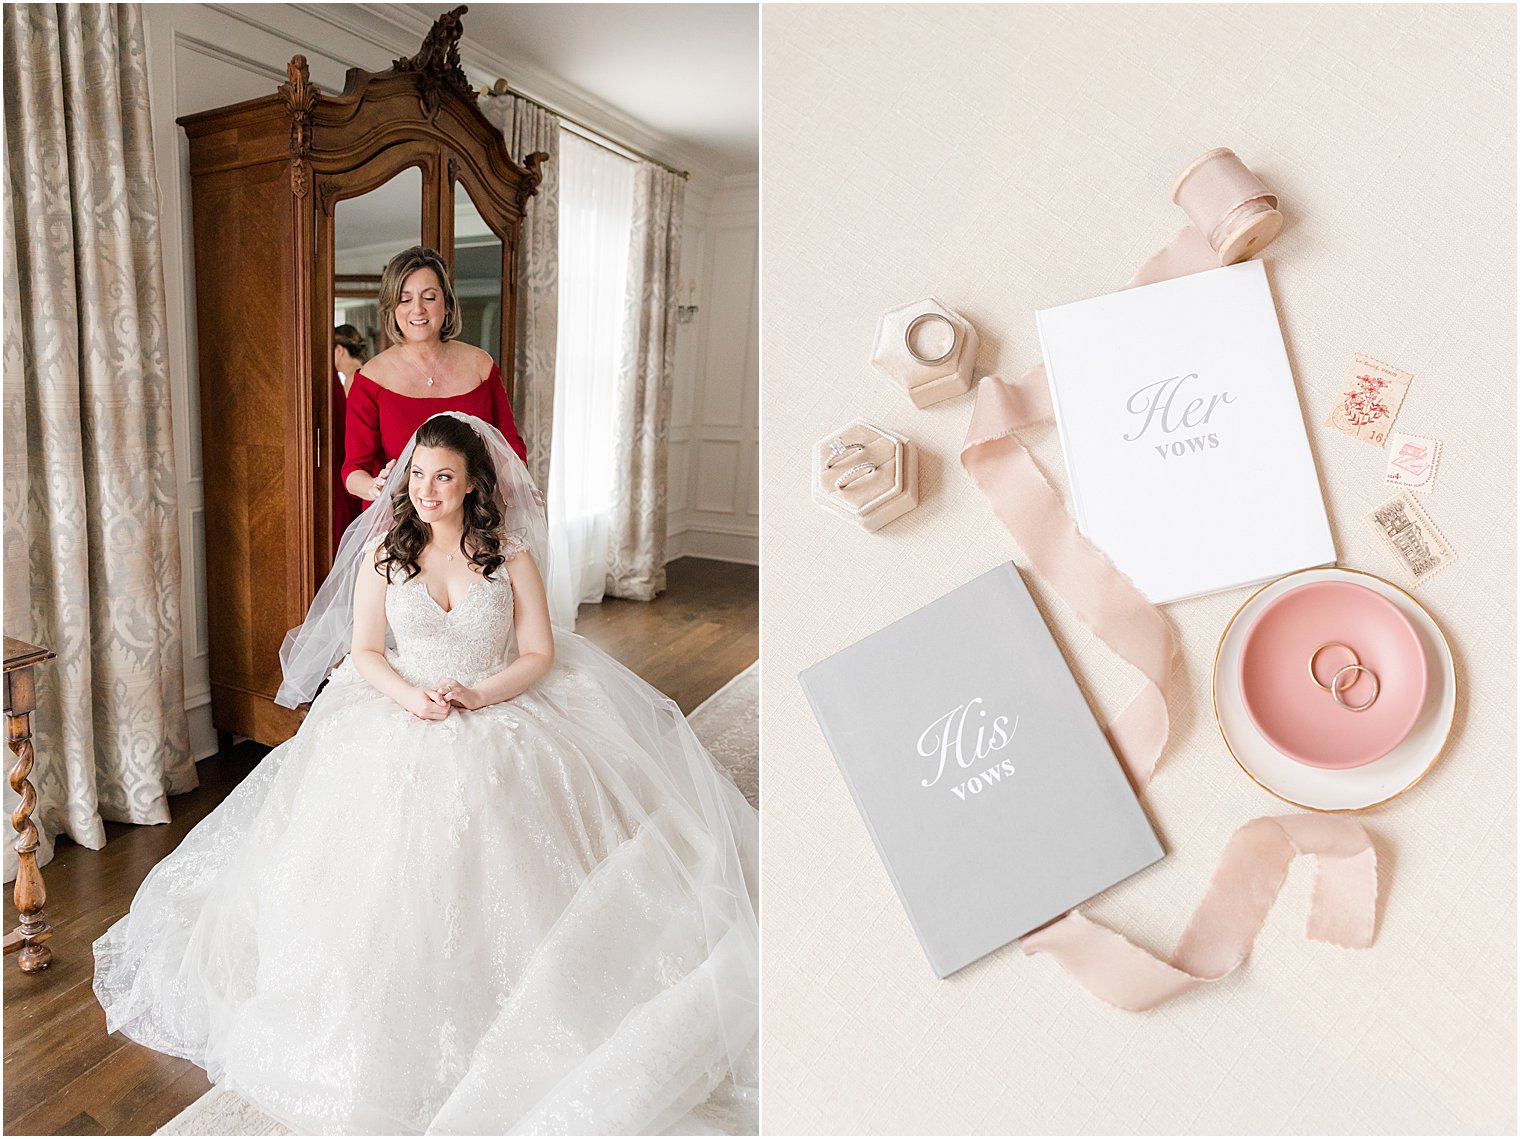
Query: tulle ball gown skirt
(534,918)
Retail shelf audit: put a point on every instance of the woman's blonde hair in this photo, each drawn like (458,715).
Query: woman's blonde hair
(397,270)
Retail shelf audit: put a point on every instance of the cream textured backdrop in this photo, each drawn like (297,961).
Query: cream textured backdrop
(1004,159)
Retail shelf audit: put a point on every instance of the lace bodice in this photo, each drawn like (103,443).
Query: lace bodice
(468,643)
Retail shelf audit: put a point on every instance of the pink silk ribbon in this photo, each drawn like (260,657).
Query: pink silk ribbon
(1343,912)
(1256,859)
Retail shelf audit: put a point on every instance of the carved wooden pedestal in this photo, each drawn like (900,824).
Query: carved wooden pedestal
(20,701)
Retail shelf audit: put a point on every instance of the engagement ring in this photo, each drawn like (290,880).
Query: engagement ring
(838,449)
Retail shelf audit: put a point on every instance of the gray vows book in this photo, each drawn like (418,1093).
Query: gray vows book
(992,795)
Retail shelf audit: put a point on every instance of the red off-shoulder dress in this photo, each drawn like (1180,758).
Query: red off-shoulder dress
(380,422)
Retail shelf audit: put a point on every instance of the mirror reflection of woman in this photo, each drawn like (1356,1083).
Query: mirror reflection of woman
(349,352)
(423,371)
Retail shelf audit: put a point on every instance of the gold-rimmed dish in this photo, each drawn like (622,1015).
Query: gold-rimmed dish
(1353,789)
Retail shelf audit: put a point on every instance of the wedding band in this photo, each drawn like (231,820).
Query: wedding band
(1314,656)
(1336,688)
(854,474)
(838,449)
(924,318)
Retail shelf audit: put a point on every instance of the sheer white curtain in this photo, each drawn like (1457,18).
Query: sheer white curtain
(595,226)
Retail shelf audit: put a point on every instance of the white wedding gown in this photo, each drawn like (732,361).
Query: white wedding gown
(534,918)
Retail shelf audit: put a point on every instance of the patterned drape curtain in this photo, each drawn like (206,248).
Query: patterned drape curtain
(636,559)
(530,128)
(92,563)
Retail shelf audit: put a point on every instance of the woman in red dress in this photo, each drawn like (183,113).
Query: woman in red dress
(424,371)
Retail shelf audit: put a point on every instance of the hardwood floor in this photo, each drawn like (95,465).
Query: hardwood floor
(65,1076)
(692,639)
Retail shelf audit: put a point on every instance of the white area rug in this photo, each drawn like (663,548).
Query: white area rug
(727,722)
(220,1112)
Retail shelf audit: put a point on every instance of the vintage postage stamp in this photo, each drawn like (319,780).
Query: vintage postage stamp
(1370,399)
(1412,461)
(1412,537)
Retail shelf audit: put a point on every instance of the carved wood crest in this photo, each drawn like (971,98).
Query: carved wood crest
(437,62)
(534,162)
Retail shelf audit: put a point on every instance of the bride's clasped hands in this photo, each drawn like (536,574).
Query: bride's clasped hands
(437,701)
(426,703)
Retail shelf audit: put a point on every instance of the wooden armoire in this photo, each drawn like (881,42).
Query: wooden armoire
(267,178)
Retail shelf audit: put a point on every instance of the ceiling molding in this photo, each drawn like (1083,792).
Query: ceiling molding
(221,54)
(738,182)
(250,14)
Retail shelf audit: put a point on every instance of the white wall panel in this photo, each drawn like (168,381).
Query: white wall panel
(728,332)
(680,478)
(717,476)
(722,519)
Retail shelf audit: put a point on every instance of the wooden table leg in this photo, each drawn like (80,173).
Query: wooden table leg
(31,895)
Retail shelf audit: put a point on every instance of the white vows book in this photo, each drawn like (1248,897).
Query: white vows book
(1184,441)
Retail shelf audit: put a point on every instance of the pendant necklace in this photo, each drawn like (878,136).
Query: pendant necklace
(424,371)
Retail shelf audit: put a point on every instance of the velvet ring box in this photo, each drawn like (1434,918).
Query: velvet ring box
(879,470)
(927,349)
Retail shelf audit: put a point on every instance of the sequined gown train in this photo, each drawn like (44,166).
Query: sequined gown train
(532,918)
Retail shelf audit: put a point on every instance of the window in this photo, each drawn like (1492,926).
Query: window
(595,228)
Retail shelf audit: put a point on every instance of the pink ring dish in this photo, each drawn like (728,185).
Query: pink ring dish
(1293,712)
(1319,788)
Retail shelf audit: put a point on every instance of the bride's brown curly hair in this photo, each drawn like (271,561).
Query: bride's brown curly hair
(481,540)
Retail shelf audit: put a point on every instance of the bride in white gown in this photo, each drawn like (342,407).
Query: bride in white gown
(477,893)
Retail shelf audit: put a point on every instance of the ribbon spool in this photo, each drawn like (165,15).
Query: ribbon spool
(1228,205)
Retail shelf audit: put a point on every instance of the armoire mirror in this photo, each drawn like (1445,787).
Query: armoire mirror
(326,187)
(368,230)
(477,274)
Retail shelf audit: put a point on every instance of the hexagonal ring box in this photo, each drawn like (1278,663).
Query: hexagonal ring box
(927,349)
(865,474)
